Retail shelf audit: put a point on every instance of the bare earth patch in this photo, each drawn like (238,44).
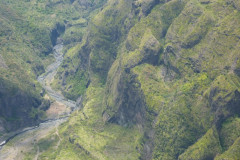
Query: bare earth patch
(57,109)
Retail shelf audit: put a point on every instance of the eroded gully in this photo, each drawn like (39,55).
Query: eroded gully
(20,139)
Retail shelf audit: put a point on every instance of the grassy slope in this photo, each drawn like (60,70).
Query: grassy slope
(23,52)
(26,43)
(70,79)
(100,46)
(182,58)
(85,136)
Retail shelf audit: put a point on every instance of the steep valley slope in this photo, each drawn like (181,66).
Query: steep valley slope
(159,79)
(28,32)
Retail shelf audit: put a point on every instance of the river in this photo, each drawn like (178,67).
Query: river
(22,139)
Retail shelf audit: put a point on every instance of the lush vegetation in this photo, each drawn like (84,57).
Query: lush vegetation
(29,29)
(173,75)
(159,79)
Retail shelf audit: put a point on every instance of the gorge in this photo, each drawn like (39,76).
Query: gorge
(48,124)
(120,79)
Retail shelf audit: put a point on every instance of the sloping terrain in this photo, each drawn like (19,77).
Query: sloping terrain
(159,79)
(28,32)
(166,70)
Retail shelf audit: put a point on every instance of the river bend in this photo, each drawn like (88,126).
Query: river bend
(47,125)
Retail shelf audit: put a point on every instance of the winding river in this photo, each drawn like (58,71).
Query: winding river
(29,134)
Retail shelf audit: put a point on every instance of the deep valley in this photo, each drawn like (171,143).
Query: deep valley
(120,79)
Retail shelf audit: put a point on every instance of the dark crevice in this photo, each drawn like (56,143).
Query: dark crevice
(56,32)
(88,83)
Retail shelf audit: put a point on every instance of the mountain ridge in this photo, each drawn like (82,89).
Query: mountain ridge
(159,80)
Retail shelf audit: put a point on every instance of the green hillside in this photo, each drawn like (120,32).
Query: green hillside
(159,79)
(167,70)
(28,32)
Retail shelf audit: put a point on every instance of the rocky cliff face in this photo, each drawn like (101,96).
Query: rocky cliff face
(160,80)
(169,68)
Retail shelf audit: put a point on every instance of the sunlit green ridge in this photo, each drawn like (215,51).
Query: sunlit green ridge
(157,79)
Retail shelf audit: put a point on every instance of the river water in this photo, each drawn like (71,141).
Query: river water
(22,139)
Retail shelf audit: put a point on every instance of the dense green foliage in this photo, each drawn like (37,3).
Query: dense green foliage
(28,32)
(174,74)
(159,79)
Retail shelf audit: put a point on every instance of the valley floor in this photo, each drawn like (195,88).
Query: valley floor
(58,113)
